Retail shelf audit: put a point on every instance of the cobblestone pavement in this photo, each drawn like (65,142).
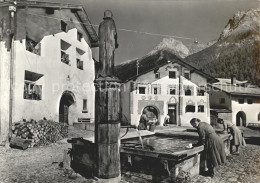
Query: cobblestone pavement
(41,164)
(243,168)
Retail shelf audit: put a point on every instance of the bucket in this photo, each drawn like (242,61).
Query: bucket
(152,127)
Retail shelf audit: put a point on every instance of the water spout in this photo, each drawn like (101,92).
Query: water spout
(140,138)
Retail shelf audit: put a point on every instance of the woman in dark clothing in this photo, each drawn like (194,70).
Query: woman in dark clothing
(238,139)
(143,122)
(213,145)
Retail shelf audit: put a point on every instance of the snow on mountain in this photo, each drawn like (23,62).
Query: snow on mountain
(175,46)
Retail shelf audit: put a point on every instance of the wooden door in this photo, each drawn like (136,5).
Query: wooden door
(172,114)
(66,114)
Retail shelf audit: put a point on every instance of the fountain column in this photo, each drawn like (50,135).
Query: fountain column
(107,104)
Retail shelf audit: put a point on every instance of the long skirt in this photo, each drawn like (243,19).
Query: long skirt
(237,136)
(214,150)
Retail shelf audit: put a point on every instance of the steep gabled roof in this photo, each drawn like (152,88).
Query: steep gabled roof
(77,9)
(128,70)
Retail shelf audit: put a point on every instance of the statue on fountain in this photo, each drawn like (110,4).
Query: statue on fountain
(107,45)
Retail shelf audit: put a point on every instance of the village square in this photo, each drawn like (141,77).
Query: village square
(72,111)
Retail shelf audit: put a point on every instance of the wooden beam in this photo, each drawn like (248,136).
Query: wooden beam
(48,5)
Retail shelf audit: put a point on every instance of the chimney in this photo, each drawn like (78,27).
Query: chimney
(233,79)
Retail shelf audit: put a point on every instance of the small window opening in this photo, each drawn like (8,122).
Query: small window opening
(141,90)
(201,108)
(33,46)
(172,74)
(187,92)
(250,101)
(79,64)
(157,75)
(155,91)
(85,105)
(201,92)
(63,26)
(190,108)
(241,101)
(32,90)
(172,91)
(79,36)
(187,75)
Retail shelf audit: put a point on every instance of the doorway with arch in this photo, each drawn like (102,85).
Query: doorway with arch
(67,99)
(151,113)
(241,118)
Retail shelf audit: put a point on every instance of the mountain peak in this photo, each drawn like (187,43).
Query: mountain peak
(236,51)
(173,45)
(241,23)
(177,47)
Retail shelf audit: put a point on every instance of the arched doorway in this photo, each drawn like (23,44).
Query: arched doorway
(67,99)
(151,113)
(241,118)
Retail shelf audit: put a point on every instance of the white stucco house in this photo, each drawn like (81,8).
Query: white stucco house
(162,83)
(46,65)
(239,97)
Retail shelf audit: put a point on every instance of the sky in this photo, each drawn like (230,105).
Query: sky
(201,20)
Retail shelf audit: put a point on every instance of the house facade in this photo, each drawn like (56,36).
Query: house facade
(46,65)
(238,97)
(161,84)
